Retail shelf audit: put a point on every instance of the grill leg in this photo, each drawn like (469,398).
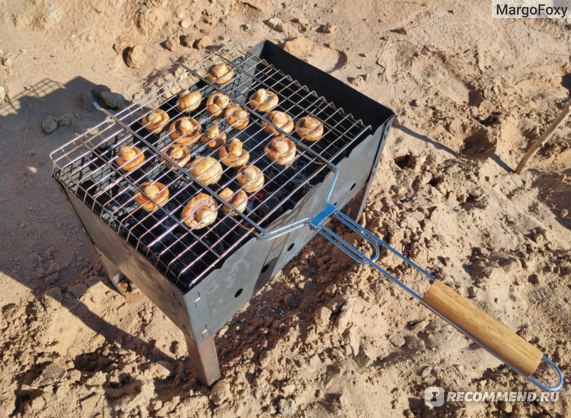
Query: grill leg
(114,274)
(204,360)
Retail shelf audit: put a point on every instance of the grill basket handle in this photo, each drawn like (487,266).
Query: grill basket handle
(466,317)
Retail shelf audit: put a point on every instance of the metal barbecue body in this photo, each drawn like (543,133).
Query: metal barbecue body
(201,279)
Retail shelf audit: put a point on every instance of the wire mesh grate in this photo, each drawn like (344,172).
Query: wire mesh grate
(87,165)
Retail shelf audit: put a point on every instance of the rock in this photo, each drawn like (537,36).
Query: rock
(51,374)
(38,403)
(179,71)
(113,100)
(186,23)
(327,28)
(354,339)
(397,340)
(161,369)
(220,392)
(7,62)
(302,24)
(506,407)
(203,42)
(287,407)
(151,21)
(65,120)
(336,303)
(136,57)
(322,316)
(289,389)
(363,359)
(98,379)
(359,80)
(292,300)
(275,23)
(88,101)
(344,317)
(187,41)
(171,43)
(98,89)
(89,403)
(49,124)
(2,93)
(300,47)
(246,27)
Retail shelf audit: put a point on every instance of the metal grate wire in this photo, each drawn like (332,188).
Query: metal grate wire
(85,166)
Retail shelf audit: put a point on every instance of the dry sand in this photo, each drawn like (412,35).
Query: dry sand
(326,337)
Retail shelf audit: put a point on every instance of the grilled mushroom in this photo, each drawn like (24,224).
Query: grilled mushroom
(189,100)
(213,138)
(129,158)
(264,100)
(238,199)
(206,169)
(309,128)
(216,103)
(280,119)
(200,211)
(234,155)
(155,121)
(220,74)
(281,150)
(180,155)
(237,117)
(151,195)
(185,131)
(251,178)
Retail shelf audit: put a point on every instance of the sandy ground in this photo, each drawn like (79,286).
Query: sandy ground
(326,337)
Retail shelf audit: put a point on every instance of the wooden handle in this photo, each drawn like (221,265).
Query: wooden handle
(500,339)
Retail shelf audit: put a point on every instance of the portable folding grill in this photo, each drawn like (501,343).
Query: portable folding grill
(201,277)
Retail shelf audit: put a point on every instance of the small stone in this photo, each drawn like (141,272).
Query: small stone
(52,373)
(291,300)
(49,124)
(289,389)
(171,43)
(287,407)
(322,317)
(246,27)
(266,358)
(203,42)
(220,392)
(186,23)
(2,93)
(187,41)
(113,100)
(354,339)
(38,403)
(400,31)
(98,89)
(506,407)
(88,101)
(136,57)
(65,120)
(275,23)
(336,303)
(7,62)
(300,47)
(327,28)
(89,403)
(426,372)
(96,380)
(344,317)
